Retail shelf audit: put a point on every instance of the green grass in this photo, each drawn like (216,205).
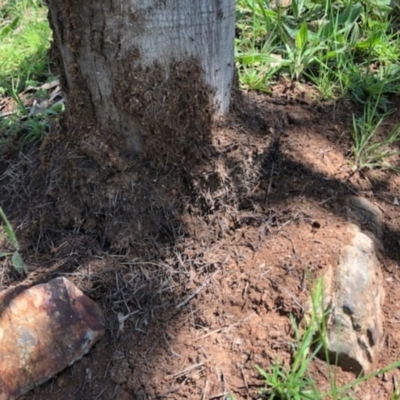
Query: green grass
(24,42)
(346,49)
(309,38)
(295,382)
(368,151)
(7,231)
(24,62)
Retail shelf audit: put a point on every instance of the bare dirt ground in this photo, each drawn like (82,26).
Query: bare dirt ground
(230,248)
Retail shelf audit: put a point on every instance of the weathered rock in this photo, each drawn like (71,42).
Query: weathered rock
(364,214)
(43,329)
(354,294)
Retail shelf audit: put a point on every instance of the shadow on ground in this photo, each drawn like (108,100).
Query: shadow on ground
(147,236)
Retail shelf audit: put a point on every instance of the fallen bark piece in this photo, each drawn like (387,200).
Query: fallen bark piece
(43,330)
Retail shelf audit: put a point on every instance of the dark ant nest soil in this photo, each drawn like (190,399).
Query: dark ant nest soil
(199,247)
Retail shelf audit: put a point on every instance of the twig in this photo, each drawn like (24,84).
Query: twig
(7,114)
(205,391)
(98,396)
(174,353)
(194,294)
(294,298)
(217,396)
(224,327)
(266,201)
(204,353)
(244,378)
(224,380)
(188,369)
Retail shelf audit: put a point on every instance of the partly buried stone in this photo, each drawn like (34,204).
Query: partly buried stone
(365,214)
(353,296)
(43,329)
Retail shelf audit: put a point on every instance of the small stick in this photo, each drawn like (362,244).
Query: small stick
(205,391)
(224,327)
(244,378)
(194,294)
(223,377)
(217,396)
(288,292)
(266,200)
(188,369)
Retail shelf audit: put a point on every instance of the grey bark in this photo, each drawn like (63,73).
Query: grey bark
(94,38)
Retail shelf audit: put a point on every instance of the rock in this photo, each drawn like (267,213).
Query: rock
(353,293)
(43,330)
(365,214)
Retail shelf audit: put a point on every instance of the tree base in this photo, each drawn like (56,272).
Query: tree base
(135,191)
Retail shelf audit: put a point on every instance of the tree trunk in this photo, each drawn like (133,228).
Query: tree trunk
(122,63)
(143,80)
